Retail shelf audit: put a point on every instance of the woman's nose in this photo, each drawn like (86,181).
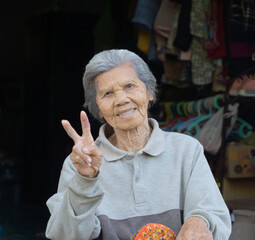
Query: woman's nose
(121,98)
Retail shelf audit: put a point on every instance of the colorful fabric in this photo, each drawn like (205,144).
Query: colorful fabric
(154,231)
(207,24)
(211,31)
(215,44)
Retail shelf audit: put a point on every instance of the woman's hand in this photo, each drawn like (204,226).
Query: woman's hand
(86,157)
(194,228)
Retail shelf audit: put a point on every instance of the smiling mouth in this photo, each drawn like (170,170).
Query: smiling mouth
(126,113)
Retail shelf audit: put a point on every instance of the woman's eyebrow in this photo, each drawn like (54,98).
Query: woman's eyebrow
(130,80)
(103,90)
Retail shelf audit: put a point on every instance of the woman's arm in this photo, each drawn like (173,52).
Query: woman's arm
(73,207)
(204,200)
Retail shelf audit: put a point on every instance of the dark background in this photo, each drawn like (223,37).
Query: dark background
(45,46)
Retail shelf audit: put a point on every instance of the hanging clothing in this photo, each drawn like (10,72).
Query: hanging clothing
(219,49)
(183,37)
(145,13)
(163,24)
(242,20)
(202,66)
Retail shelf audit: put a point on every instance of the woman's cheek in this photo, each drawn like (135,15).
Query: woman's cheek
(106,111)
(143,109)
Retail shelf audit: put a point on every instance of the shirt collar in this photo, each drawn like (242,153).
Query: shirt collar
(154,146)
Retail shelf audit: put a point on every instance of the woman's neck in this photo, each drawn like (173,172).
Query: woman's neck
(131,140)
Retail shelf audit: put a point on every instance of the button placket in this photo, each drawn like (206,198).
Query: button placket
(138,184)
(129,156)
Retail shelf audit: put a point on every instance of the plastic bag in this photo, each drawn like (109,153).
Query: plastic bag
(210,135)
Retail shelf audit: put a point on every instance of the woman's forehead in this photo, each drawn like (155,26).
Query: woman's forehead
(118,75)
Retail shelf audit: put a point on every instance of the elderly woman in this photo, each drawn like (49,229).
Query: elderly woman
(133,174)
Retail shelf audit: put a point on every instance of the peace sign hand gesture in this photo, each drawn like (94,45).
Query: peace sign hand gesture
(86,156)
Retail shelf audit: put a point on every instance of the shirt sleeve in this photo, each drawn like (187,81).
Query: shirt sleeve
(203,198)
(73,207)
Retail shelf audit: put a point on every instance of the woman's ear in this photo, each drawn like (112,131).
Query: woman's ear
(101,118)
(151,98)
(100,114)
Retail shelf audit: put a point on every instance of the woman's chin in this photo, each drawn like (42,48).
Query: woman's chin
(128,124)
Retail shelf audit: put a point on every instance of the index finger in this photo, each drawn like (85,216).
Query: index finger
(70,130)
(85,124)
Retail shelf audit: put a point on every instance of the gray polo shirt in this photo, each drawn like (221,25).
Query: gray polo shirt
(166,182)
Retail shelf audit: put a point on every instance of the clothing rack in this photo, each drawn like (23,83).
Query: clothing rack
(220,166)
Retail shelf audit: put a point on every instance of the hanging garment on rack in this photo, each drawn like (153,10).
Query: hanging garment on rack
(165,26)
(183,37)
(241,49)
(162,48)
(202,67)
(242,21)
(145,13)
(172,70)
(220,76)
(172,33)
(165,17)
(197,18)
(211,30)
(218,48)
(152,52)
(210,135)
(186,55)
(185,74)
(143,42)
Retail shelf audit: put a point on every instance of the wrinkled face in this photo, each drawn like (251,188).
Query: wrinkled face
(122,98)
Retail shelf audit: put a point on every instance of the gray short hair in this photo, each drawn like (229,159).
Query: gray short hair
(107,60)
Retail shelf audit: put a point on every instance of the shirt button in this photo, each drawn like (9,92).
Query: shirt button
(128,157)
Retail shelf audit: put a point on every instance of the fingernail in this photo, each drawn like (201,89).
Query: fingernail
(89,159)
(85,150)
(89,164)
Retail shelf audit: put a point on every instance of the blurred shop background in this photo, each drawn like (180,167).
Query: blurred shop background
(199,52)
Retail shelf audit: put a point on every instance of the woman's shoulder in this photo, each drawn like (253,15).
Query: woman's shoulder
(178,135)
(180,138)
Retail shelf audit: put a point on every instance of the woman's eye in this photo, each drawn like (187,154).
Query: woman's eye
(108,93)
(130,85)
